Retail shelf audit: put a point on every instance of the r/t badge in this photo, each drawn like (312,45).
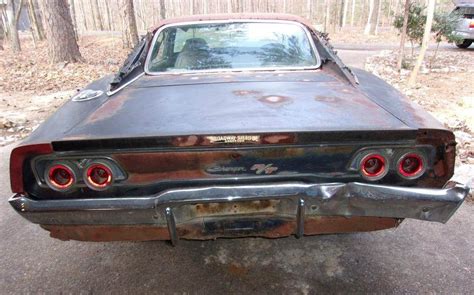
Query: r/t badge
(263,168)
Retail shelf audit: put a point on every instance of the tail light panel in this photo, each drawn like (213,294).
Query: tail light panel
(402,162)
(96,173)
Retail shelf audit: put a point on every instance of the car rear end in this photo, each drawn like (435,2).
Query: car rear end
(465,27)
(210,186)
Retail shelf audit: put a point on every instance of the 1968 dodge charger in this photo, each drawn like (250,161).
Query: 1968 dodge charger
(234,126)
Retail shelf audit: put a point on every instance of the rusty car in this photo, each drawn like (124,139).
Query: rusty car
(234,125)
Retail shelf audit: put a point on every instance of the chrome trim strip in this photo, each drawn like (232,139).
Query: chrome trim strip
(110,93)
(330,199)
(157,33)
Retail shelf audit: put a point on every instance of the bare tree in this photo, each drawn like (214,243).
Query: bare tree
(375,27)
(368,26)
(344,12)
(401,51)
(2,35)
(162,9)
(130,32)
(96,15)
(109,18)
(83,13)
(353,10)
(309,8)
(62,45)
(13,15)
(327,16)
(73,18)
(36,24)
(424,43)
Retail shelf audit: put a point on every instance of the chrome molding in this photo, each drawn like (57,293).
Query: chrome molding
(110,93)
(307,32)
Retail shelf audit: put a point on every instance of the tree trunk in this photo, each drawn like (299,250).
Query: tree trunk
(401,52)
(344,12)
(4,20)
(374,18)
(73,18)
(83,13)
(327,16)
(353,12)
(130,24)
(424,43)
(377,18)
(36,25)
(308,8)
(96,15)
(13,14)
(62,45)
(109,18)
(368,26)
(341,13)
(162,9)
(2,35)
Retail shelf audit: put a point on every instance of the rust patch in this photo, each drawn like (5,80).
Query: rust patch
(246,92)
(191,140)
(237,270)
(330,99)
(275,100)
(339,224)
(279,138)
(247,207)
(107,233)
(108,109)
(196,231)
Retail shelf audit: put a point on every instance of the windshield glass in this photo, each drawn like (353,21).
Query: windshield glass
(236,45)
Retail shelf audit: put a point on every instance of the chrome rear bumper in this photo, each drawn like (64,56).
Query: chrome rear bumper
(286,200)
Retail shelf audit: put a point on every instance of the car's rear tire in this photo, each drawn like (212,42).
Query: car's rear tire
(464,44)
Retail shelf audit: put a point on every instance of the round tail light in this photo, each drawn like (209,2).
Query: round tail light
(373,166)
(60,177)
(98,176)
(411,165)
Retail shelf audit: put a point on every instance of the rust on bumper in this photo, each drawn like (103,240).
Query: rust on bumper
(198,231)
(270,210)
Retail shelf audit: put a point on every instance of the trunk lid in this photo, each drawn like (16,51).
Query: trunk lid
(233,104)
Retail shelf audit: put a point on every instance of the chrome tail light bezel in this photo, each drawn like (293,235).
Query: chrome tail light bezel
(419,172)
(97,186)
(379,174)
(53,184)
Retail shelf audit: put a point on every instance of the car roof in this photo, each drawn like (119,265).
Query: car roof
(233,16)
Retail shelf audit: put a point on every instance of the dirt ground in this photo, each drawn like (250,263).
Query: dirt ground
(355,36)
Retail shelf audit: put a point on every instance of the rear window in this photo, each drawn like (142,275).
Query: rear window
(232,46)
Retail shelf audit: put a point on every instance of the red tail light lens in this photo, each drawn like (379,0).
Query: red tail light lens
(411,165)
(373,166)
(98,176)
(60,177)
(471,25)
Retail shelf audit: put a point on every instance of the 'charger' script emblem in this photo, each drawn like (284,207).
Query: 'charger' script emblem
(264,168)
